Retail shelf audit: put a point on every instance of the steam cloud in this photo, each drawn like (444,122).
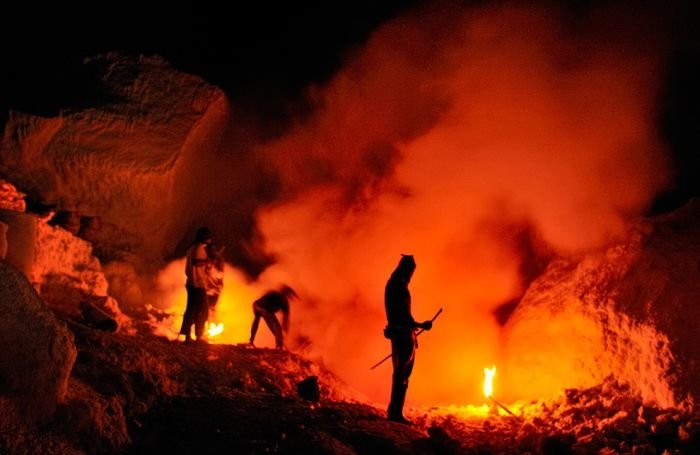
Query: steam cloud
(449,134)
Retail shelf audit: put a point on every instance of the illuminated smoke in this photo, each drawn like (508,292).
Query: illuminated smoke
(451,133)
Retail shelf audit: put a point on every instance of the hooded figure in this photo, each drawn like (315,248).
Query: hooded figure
(401,331)
(196,285)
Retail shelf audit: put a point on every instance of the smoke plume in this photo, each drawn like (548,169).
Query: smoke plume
(453,131)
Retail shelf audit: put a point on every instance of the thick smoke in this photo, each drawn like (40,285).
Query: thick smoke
(453,135)
(448,128)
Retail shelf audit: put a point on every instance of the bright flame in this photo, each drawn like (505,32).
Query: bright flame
(489,373)
(215,329)
(233,311)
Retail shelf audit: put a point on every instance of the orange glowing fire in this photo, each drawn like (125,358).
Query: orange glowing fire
(489,373)
(215,329)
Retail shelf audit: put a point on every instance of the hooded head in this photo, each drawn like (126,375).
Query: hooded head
(203,235)
(406,267)
(288,292)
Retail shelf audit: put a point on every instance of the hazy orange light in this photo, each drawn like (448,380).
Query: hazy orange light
(489,373)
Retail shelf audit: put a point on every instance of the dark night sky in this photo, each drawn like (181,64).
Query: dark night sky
(257,53)
(263,55)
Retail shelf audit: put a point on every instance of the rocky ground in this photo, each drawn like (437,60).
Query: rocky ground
(139,394)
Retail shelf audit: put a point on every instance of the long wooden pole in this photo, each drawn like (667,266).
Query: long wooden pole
(417,333)
(498,403)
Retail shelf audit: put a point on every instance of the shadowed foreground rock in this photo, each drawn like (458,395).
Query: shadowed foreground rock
(36,350)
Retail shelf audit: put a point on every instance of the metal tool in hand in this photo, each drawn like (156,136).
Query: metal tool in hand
(417,333)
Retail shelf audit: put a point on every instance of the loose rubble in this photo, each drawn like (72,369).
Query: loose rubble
(607,418)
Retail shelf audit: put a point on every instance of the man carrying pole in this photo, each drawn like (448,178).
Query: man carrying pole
(401,330)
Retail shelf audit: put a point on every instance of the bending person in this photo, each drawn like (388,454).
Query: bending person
(266,308)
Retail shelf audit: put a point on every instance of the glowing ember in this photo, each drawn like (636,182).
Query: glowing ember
(489,373)
(215,329)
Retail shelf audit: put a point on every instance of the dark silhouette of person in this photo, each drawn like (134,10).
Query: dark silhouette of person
(215,277)
(401,331)
(196,266)
(266,306)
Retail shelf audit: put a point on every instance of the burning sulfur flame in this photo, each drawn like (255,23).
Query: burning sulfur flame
(489,373)
(215,329)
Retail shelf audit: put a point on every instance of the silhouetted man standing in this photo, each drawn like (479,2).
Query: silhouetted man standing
(401,331)
(196,285)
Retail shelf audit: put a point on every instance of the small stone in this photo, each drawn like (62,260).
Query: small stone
(666,428)
(644,449)
(683,434)
(308,389)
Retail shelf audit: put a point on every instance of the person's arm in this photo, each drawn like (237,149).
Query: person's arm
(285,318)
(407,305)
(200,264)
(285,321)
(200,258)
(215,255)
(414,324)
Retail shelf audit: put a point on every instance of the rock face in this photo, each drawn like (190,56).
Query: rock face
(60,266)
(126,158)
(64,266)
(630,312)
(10,198)
(38,350)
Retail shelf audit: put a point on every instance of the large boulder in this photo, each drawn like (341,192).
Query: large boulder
(128,159)
(37,352)
(65,267)
(630,312)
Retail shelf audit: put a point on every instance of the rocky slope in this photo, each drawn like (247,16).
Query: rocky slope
(143,394)
(629,311)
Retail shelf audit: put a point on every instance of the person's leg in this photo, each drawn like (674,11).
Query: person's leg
(275,328)
(256,322)
(200,313)
(402,388)
(212,300)
(403,354)
(187,318)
